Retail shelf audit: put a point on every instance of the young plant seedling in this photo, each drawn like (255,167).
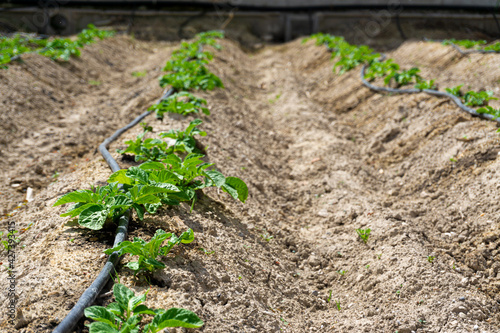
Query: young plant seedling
(455,91)
(148,252)
(266,236)
(99,204)
(342,272)
(404,77)
(126,315)
(478,98)
(421,85)
(380,69)
(10,235)
(337,304)
(190,75)
(465,43)
(329,297)
(206,252)
(184,140)
(489,110)
(139,73)
(431,259)
(364,234)
(183,103)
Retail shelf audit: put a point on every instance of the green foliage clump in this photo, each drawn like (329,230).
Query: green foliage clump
(11,47)
(455,91)
(189,75)
(151,149)
(350,56)
(489,110)
(148,187)
(164,178)
(61,49)
(126,314)
(380,69)
(364,234)
(421,85)
(184,140)
(148,252)
(465,43)
(404,77)
(102,203)
(182,102)
(478,98)
(493,47)
(186,66)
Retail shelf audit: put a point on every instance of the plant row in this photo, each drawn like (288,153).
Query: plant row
(473,44)
(171,172)
(350,56)
(56,49)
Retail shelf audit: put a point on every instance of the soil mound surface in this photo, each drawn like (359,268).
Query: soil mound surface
(322,156)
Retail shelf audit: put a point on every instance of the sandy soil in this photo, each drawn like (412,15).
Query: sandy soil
(322,156)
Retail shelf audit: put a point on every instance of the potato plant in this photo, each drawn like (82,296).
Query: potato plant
(404,77)
(182,102)
(56,49)
(148,252)
(127,313)
(352,56)
(164,178)
(148,187)
(478,98)
(465,43)
(380,69)
(152,149)
(184,141)
(421,85)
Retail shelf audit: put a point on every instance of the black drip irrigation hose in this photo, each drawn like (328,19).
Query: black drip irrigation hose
(454,98)
(88,297)
(465,52)
(459,49)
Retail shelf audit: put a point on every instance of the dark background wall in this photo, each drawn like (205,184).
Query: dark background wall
(256,21)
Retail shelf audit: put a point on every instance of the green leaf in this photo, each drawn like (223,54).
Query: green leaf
(154,264)
(77,209)
(135,301)
(115,309)
(121,177)
(138,174)
(152,208)
(127,247)
(76,196)
(176,317)
(169,188)
(187,236)
(99,327)
(217,177)
(122,295)
(99,313)
(139,210)
(152,166)
(93,217)
(134,265)
(120,201)
(142,309)
(238,185)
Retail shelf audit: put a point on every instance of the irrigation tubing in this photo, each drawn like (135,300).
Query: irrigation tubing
(454,98)
(88,297)
(459,49)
